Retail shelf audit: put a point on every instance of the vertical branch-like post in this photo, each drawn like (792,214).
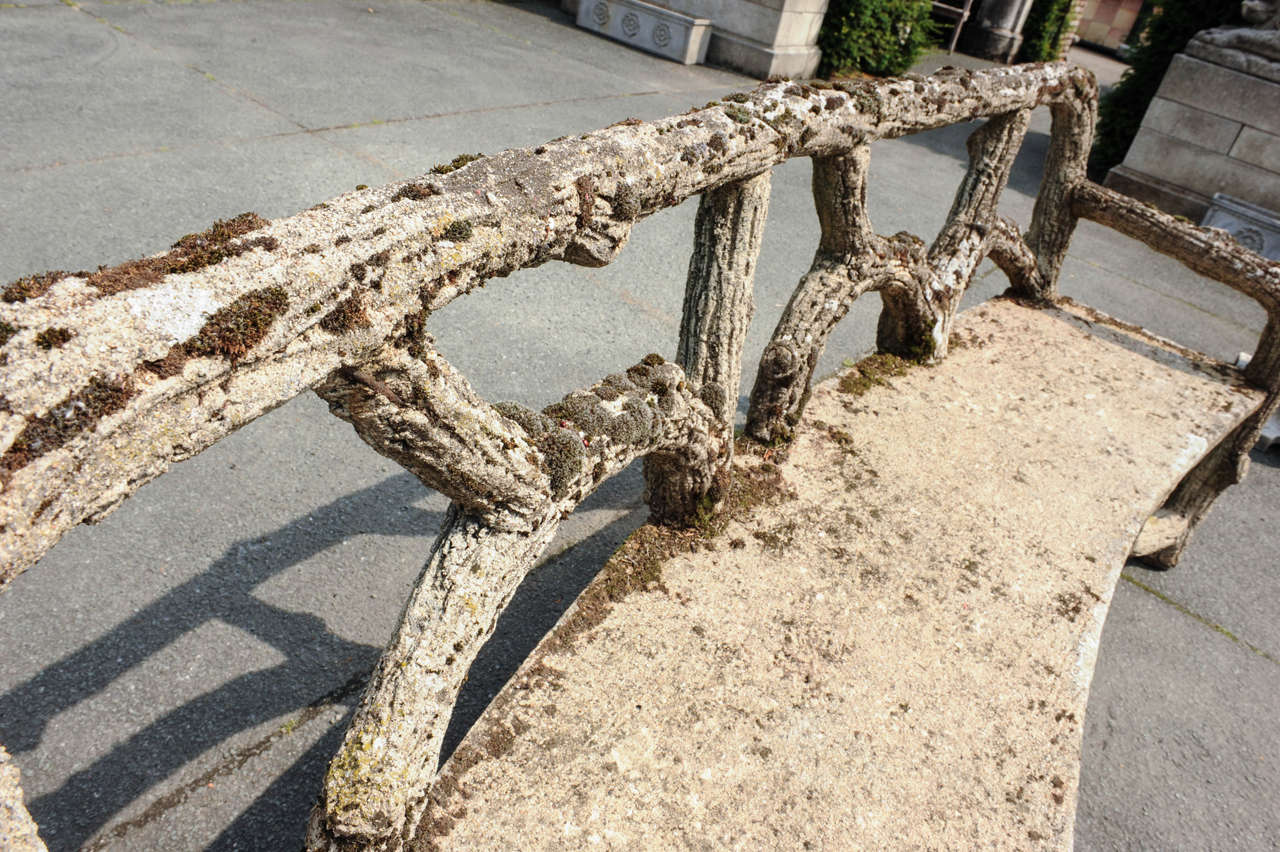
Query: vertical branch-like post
(848,259)
(917,315)
(1053,220)
(713,328)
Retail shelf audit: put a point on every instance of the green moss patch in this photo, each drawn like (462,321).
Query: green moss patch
(458,231)
(32,286)
(7,330)
(414,192)
(456,163)
(348,314)
(872,371)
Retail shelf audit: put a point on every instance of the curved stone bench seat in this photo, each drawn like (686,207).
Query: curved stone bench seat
(898,654)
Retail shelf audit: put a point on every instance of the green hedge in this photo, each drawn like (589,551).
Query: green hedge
(880,37)
(1169,28)
(1042,32)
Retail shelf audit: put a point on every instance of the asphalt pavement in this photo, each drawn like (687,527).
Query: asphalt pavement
(176,676)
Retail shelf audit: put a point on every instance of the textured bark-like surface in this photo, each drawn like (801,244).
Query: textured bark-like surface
(717,297)
(1009,251)
(917,316)
(1208,251)
(17,829)
(169,354)
(1215,254)
(717,312)
(963,241)
(1053,220)
(419,413)
(851,259)
(392,746)
(920,293)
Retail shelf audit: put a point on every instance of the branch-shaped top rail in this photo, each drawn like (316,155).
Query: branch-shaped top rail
(163,356)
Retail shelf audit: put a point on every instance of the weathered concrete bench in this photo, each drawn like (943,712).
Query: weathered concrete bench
(109,376)
(894,650)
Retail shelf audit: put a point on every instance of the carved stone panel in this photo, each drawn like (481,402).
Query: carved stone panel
(648,27)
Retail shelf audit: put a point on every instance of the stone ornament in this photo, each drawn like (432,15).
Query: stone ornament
(1254,49)
(1250,238)
(648,27)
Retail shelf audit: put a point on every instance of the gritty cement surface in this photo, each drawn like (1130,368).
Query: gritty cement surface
(807,680)
(176,677)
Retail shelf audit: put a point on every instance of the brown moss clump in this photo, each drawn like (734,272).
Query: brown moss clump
(72,416)
(7,330)
(586,188)
(232,331)
(456,163)
(414,192)
(32,286)
(637,565)
(458,231)
(348,314)
(168,366)
(872,371)
(191,253)
(53,338)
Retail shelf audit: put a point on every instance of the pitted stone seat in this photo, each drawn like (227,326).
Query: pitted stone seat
(899,656)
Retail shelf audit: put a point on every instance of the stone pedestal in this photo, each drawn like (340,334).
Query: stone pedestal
(996,31)
(1210,129)
(763,38)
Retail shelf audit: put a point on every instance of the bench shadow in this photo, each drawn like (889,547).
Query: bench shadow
(315,659)
(1133,338)
(277,818)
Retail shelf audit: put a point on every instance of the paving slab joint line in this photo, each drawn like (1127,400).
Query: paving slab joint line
(231,762)
(1187,611)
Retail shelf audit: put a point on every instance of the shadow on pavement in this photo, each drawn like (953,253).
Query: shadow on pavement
(315,660)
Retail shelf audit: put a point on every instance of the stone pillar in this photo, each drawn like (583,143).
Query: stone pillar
(996,31)
(1214,124)
(763,38)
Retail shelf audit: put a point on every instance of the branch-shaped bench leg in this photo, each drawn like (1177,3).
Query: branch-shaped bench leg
(408,410)
(1166,535)
(1214,254)
(917,316)
(851,259)
(713,328)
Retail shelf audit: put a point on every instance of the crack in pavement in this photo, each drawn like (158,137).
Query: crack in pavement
(1190,613)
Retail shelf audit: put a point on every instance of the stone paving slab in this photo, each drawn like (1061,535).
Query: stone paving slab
(914,672)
